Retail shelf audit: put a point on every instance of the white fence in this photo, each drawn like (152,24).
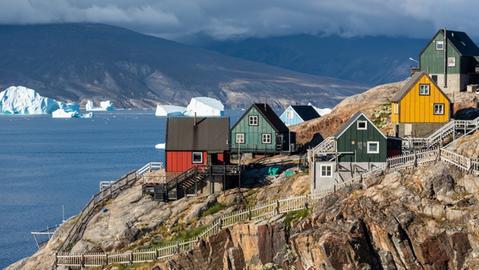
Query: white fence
(259,212)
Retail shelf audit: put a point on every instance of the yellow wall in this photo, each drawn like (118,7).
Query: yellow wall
(394,112)
(414,108)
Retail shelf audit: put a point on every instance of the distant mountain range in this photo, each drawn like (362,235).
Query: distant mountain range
(74,62)
(366,60)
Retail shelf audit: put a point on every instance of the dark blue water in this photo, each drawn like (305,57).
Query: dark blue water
(46,163)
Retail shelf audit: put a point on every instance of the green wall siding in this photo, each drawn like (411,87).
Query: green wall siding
(359,147)
(432,60)
(253,133)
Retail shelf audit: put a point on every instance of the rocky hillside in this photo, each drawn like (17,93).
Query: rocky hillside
(376,104)
(74,62)
(417,219)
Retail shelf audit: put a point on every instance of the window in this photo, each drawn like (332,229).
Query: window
(451,61)
(424,89)
(373,147)
(253,120)
(266,138)
(325,170)
(395,108)
(197,157)
(239,137)
(362,125)
(439,45)
(439,108)
(289,115)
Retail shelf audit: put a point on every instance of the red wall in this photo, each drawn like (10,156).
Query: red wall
(180,161)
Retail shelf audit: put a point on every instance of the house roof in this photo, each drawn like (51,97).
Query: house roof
(460,40)
(197,134)
(351,121)
(306,112)
(410,83)
(271,117)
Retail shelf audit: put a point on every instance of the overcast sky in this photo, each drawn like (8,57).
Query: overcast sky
(223,19)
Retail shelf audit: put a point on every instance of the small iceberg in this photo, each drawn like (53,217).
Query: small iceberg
(105,106)
(23,100)
(320,111)
(61,113)
(169,110)
(160,146)
(205,106)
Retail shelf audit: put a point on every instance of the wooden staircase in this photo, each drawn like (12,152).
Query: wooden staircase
(187,183)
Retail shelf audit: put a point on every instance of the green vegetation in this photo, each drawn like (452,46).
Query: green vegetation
(381,115)
(295,216)
(182,235)
(213,209)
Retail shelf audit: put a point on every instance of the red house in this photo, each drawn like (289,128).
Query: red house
(196,142)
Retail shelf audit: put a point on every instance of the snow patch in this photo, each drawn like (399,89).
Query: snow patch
(205,106)
(169,110)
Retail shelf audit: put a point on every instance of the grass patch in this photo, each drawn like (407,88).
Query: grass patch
(295,216)
(183,235)
(215,208)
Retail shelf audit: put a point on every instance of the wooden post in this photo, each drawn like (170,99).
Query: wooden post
(106,258)
(157,254)
(277,207)
(249,214)
(82,262)
(131,257)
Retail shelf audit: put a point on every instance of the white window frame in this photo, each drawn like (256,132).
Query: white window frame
(371,143)
(240,138)
(421,93)
(266,138)
(289,114)
(441,45)
(395,108)
(330,166)
(362,122)
(253,120)
(193,158)
(451,61)
(441,105)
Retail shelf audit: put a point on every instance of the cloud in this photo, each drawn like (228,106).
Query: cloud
(223,19)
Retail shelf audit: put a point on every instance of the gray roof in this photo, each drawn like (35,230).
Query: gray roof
(197,134)
(347,124)
(410,83)
(351,120)
(460,40)
(306,112)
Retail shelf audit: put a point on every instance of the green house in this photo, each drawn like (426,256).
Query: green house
(359,140)
(260,131)
(451,59)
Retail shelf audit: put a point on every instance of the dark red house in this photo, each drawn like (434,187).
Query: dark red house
(196,141)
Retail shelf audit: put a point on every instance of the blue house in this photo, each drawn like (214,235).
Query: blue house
(296,114)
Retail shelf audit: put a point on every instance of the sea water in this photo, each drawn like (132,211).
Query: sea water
(48,163)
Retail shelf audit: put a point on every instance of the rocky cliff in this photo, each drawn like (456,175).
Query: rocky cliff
(424,218)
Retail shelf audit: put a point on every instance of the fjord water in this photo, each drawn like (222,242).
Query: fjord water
(46,163)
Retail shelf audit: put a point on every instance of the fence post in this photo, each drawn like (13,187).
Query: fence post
(277,207)
(220,223)
(177,247)
(106,259)
(250,215)
(157,254)
(131,257)
(56,261)
(82,262)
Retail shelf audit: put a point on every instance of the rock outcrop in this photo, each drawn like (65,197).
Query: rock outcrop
(418,219)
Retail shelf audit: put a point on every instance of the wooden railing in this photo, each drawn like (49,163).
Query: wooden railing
(107,193)
(260,212)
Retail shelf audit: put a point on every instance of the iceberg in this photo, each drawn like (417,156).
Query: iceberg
(105,106)
(62,113)
(160,146)
(320,111)
(205,106)
(23,100)
(169,110)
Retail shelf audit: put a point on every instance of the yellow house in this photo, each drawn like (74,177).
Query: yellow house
(420,107)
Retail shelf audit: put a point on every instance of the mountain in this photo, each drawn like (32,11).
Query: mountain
(74,62)
(366,60)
